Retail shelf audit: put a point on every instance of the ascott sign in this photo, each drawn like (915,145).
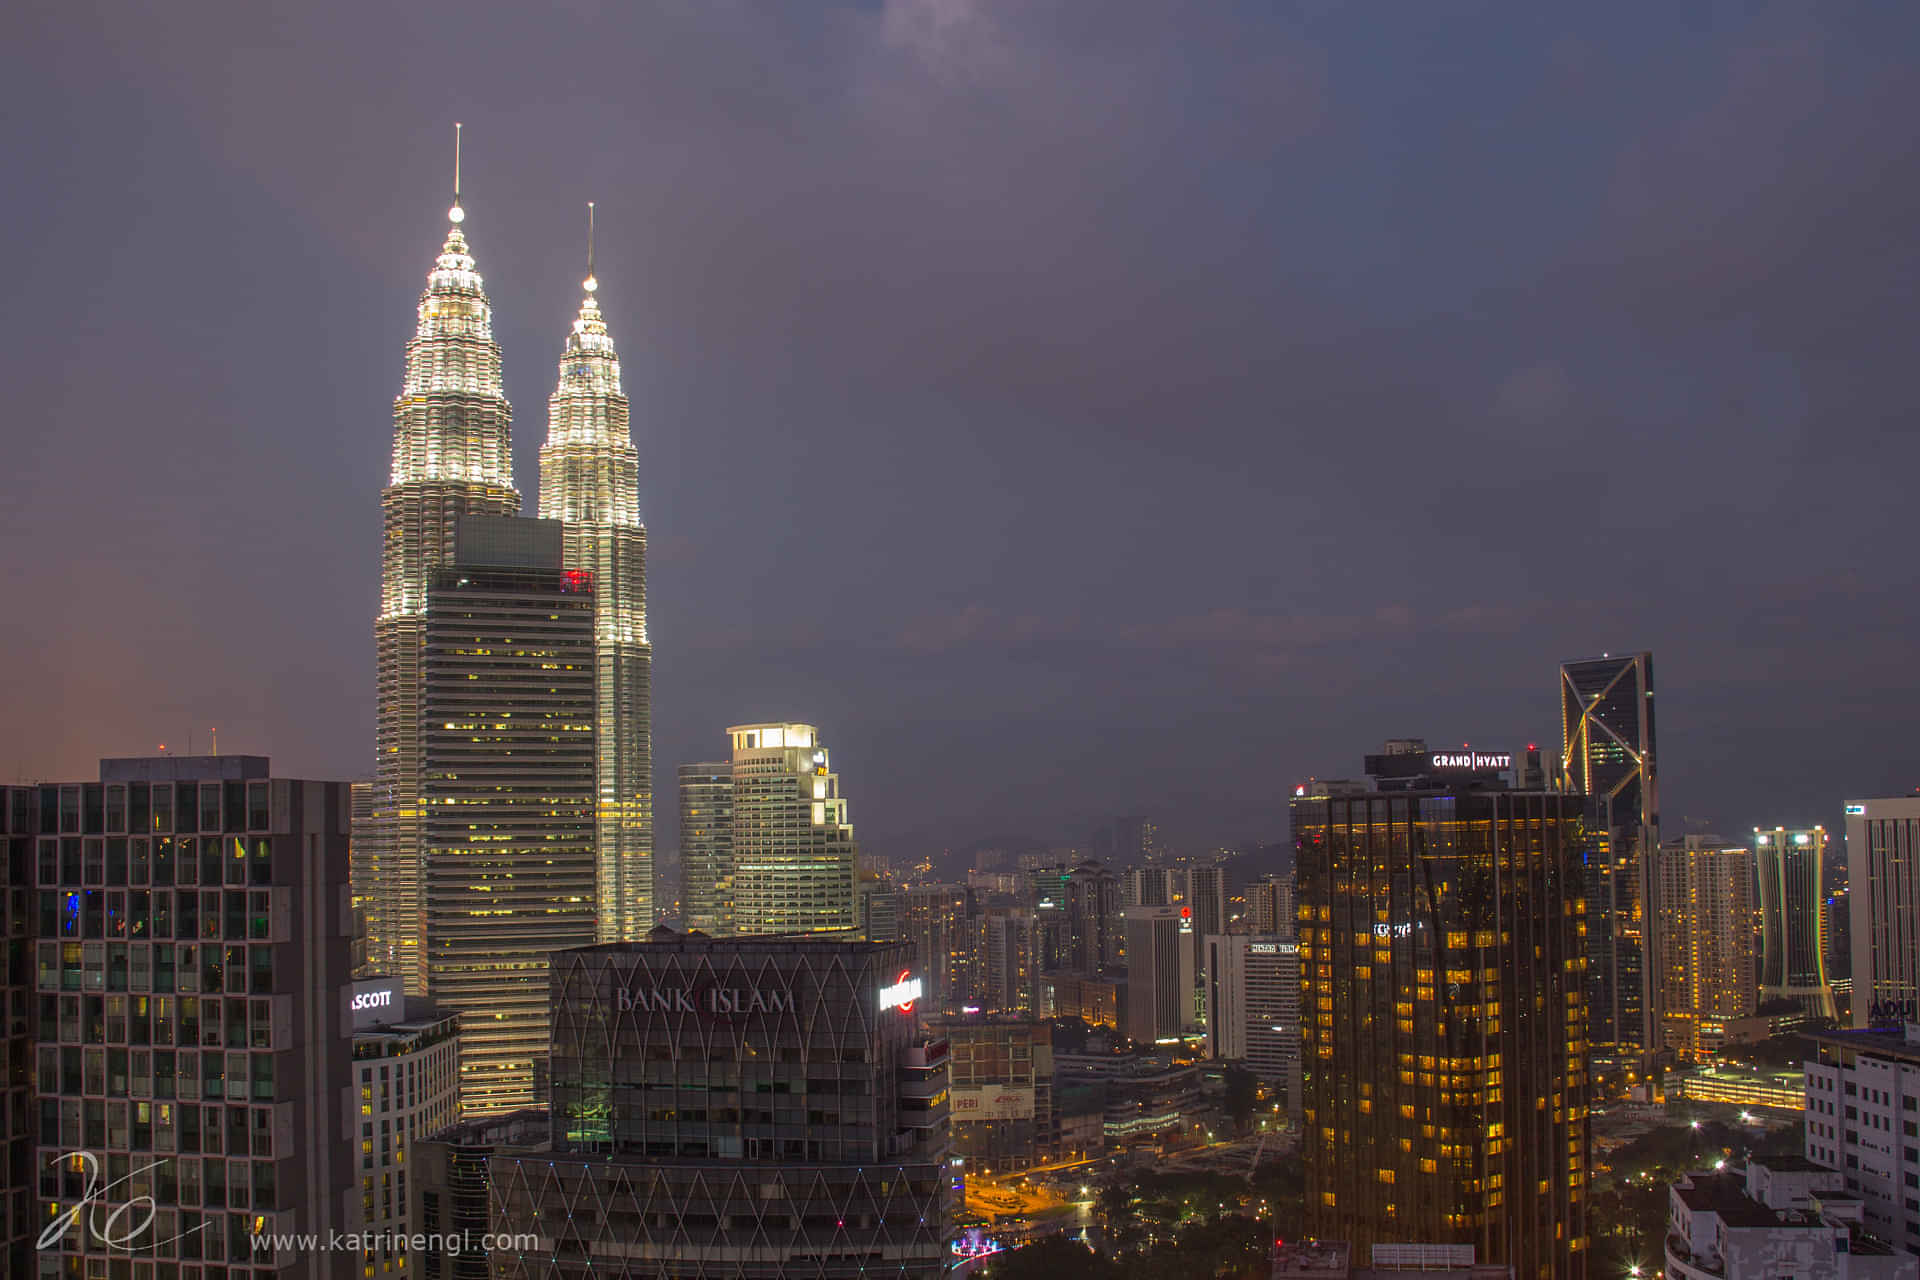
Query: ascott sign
(375,1000)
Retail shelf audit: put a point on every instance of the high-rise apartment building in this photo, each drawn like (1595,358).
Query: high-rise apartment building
(1273,1016)
(452,456)
(934,918)
(1607,754)
(406,1061)
(1793,943)
(1009,960)
(192,1018)
(590,479)
(1078,912)
(1223,979)
(1706,897)
(1207,896)
(1160,979)
(1863,1122)
(1270,905)
(1883,894)
(794,857)
(1444,1057)
(818,1144)
(1128,839)
(706,846)
(1152,886)
(507,676)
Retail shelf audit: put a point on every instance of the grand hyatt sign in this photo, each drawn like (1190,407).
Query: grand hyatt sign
(710,1000)
(1474,760)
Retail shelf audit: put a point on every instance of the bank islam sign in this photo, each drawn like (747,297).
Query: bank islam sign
(709,1000)
(992,1102)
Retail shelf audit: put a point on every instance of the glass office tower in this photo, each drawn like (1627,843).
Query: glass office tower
(1444,1056)
(1607,753)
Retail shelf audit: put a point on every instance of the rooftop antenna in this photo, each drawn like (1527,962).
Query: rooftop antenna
(456,214)
(216,740)
(592,282)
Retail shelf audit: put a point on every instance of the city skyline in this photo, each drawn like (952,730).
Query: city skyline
(780,338)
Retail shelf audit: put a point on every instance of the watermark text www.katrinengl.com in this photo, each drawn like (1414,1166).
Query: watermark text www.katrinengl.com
(297,1242)
(126,1226)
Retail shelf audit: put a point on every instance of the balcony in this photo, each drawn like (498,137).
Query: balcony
(1683,1264)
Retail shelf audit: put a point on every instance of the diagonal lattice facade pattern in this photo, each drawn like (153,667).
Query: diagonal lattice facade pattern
(734,1108)
(590,479)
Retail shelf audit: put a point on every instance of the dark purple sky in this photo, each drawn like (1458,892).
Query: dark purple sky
(1071,408)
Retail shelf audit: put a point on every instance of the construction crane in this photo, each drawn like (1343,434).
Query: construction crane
(1253,1164)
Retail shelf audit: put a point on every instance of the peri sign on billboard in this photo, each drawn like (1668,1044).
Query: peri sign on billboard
(993,1102)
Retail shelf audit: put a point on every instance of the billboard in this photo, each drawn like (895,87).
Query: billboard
(371,1001)
(993,1102)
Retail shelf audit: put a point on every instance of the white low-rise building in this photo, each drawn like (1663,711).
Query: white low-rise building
(1863,1122)
(1784,1217)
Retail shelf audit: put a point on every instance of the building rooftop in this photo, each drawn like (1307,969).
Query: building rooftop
(1313,1258)
(1725,1193)
(183,768)
(665,938)
(1903,1045)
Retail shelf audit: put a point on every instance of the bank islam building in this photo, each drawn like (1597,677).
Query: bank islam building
(739,1107)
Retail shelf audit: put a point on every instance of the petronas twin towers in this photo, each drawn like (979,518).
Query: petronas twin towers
(452,458)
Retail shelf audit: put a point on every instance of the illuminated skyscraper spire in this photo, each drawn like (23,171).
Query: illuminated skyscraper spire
(590,478)
(452,456)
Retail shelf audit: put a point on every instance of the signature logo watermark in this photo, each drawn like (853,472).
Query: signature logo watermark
(125,1226)
(114,1231)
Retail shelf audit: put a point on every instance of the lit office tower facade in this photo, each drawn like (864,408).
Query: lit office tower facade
(1444,1057)
(1607,754)
(1883,896)
(706,846)
(452,456)
(1793,942)
(794,858)
(590,479)
(192,1020)
(1706,896)
(508,788)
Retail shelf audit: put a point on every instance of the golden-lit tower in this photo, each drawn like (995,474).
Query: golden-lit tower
(590,479)
(452,456)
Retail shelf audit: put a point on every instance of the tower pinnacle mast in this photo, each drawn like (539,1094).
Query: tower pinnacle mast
(589,478)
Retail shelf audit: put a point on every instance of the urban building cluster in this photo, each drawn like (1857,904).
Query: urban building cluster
(446,1011)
